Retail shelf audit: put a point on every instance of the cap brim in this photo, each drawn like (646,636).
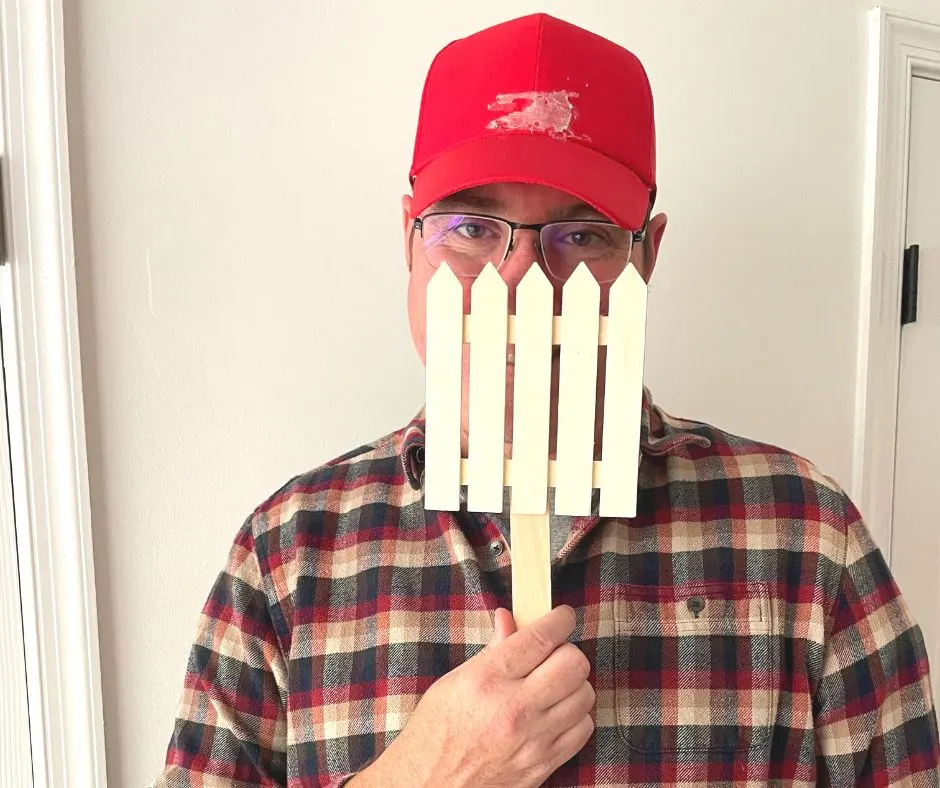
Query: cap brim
(609,187)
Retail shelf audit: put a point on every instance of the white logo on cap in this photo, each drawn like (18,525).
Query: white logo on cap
(546,112)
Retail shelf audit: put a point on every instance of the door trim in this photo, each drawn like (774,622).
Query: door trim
(900,49)
(46,413)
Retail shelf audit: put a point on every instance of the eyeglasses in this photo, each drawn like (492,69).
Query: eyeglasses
(467,242)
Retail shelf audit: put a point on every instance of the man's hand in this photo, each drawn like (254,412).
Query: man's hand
(510,716)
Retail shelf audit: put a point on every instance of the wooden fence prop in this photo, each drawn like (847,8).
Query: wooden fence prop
(532,332)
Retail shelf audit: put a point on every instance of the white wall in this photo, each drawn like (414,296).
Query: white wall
(237,167)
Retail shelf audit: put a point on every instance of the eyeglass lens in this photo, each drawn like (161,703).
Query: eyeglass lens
(468,242)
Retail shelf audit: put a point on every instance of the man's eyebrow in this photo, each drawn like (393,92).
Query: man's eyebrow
(578,210)
(469,200)
(466,200)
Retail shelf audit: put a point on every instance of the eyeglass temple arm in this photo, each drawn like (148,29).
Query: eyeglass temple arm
(640,235)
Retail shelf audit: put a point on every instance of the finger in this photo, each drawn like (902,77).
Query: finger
(530,646)
(563,673)
(568,711)
(504,624)
(571,742)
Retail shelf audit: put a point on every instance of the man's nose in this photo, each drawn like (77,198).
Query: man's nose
(524,253)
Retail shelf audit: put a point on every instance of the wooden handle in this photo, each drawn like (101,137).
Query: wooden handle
(531,567)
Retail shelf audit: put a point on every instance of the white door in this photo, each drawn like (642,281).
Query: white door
(15,755)
(915,542)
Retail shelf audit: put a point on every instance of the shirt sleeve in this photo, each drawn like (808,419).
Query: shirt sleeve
(874,716)
(231,726)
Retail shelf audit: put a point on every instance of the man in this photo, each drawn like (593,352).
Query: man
(743,629)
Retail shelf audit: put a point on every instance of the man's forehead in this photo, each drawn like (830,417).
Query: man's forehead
(477,197)
(493,199)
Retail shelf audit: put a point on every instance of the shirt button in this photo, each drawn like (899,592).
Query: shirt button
(496,548)
(696,605)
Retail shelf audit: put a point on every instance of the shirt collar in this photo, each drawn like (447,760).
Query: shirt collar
(671,436)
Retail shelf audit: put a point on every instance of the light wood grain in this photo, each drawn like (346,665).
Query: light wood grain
(623,395)
(577,392)
(487,413)
(556,329)
(531,567)
(531,394)
(442,397)
(509,476)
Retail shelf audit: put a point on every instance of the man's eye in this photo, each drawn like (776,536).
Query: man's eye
(581,238)
(473,231)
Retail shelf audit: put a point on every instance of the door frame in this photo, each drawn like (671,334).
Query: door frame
(900,49)
(45,406)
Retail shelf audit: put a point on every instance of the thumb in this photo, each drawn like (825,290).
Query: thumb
(503,626)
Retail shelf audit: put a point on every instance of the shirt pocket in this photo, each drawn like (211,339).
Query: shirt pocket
(695,667)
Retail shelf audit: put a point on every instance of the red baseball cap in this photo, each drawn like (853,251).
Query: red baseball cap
(538,100)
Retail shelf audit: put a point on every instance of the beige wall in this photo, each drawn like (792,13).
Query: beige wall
(236,170)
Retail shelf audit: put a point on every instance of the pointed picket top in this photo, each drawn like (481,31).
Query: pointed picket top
(632,278)
(534,281)
(487,285)
(580,327)
(582,285)
(444,279)
(489,299)
(623,394)
(532,393)
(443,354)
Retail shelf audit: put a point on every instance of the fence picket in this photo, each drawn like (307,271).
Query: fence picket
(487,410)
(623,394)
(444,352)
(580,322)
(531,393)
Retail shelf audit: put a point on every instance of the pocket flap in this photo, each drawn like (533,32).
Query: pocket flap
(713,607)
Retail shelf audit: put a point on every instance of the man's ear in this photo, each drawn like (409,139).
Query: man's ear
(654,237)
(657,229)
(407,221)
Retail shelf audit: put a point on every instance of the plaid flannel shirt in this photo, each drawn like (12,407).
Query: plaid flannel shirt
(743,629)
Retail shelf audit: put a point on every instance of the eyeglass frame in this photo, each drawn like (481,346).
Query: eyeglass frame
(637,236)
